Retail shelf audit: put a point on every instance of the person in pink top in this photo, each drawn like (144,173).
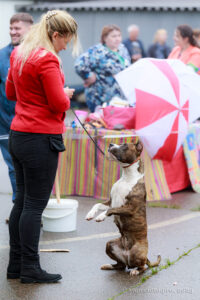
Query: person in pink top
(186,48)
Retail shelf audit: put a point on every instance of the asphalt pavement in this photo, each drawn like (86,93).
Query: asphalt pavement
(172,232)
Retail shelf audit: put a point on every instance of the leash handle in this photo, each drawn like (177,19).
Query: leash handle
(82,125)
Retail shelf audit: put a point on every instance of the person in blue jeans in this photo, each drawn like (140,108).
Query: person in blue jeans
(19,25)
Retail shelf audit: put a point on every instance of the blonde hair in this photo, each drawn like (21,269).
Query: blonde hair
(40,34)
(158,32)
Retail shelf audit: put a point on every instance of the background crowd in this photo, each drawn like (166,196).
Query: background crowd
(101,62)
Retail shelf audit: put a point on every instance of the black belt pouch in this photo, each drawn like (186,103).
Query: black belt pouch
(56,143)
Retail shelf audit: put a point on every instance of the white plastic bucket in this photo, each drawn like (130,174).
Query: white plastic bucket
(60,217)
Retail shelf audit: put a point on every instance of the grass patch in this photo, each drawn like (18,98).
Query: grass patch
(163,205)
(155,271)
(168,262)
(143,279)
(195,208)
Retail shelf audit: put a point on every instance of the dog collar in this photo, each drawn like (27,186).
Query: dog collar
(132,163)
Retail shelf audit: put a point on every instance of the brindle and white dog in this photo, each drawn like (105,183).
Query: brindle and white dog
(128,205)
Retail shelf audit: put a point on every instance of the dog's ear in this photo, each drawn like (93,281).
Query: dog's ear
(139,146)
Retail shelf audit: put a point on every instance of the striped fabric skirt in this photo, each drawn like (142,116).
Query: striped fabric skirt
(84,171)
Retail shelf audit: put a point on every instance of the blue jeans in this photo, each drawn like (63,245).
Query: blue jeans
(8,159)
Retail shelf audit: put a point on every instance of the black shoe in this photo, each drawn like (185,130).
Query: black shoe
(33,274)
(13,271)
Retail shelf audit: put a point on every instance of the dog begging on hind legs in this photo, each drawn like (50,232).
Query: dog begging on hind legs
(128,205)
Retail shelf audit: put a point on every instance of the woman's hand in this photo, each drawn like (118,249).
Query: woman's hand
(90,80)
(69,92)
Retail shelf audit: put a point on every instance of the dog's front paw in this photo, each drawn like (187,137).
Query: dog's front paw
(90,216)
(101,217)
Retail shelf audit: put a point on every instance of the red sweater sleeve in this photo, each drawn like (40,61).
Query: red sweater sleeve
(51,78)
(10,87)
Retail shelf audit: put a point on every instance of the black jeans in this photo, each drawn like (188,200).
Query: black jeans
(35,161)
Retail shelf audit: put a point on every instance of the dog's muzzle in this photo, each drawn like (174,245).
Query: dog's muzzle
(110,146)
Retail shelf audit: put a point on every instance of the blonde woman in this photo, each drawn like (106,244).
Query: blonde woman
(36,82)
(159,49)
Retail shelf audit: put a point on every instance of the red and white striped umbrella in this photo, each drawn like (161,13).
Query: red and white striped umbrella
(164,103)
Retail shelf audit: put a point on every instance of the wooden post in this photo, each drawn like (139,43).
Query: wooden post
(57,187)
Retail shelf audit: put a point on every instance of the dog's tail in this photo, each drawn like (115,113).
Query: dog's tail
(154,264)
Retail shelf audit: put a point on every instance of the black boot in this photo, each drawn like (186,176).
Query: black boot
(33,273)
(13,270)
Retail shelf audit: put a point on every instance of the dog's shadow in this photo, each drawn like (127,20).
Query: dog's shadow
(123,277)
(122,282)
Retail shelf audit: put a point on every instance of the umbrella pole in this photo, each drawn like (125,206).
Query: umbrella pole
(57,187)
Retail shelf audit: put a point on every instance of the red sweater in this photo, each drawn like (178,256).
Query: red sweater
(41,101)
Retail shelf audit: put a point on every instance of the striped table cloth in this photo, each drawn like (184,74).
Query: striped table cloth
(84,171)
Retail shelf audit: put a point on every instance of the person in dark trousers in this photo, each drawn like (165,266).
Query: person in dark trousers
(20,24)
(36,81)
(133,44)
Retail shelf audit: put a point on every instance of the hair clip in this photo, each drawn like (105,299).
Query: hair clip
(50,14)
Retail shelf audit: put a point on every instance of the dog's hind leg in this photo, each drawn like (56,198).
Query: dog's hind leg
(137,258)
(138,271)
(154,264)
(114,250)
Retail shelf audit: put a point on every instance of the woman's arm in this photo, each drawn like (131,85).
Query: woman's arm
(90,80)
(150,51)
(83,64)
(194,61)
(50,76)
(10,87)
